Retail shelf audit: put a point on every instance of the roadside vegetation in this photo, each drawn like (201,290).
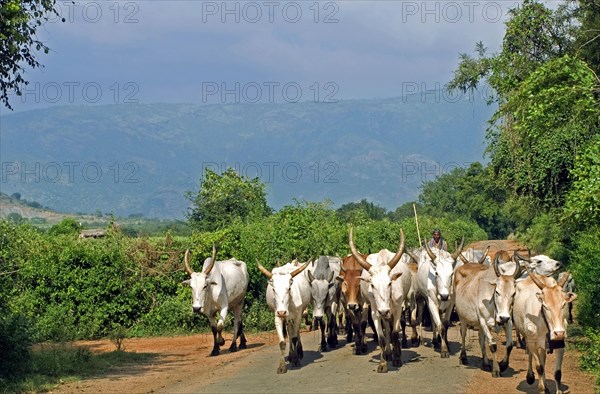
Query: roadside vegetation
(540,186)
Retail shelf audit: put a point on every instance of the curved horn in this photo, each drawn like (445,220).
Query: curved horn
(363,263)
(482,259)
(213,258)
(564,279)
(412,256)
(523,258)
(186,260)
(300,269)
(463,258)
(518,270)
(459,249)
(432,255)
(496,263)
(265,271)
(534,278)
(392,263)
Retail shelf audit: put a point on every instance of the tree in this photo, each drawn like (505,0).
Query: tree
(359,212)
(226,198)
(19,21)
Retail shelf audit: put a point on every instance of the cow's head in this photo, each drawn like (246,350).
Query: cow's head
(541,264)
(442,267)
(350,283)
(200,282)
(320,284)
(281,282)
(505,288)
(381,277)
(553,301)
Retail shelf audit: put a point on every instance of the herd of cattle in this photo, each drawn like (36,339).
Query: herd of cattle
(390,290)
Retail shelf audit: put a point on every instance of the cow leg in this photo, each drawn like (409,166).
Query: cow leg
(437,328)
(463,348)
(570,319)
(364,317)
(323,345)
(560,352)
(444,352)
(372,325)
(237,321)
(399,322)
(485,361)
(332,340)
(414,322)
(279,328)
(215,351)
(242,336)
(404,338)
(541,370)
(221,324)
(509,345)
(349,328)
(530,376)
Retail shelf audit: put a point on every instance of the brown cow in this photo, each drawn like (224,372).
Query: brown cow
(353,303)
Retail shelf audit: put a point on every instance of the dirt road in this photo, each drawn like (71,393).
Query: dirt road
(182,365)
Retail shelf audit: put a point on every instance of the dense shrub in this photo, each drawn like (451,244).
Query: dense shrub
(585,268)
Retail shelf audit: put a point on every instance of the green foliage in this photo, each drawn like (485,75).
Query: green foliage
(586,271)
(225,199)
(67,226)
(582,207)
(360,212)
(546,235)
(471,193)
(19,21)
(15,340)
(590,352)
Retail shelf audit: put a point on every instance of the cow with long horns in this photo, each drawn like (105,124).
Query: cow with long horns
(288,294)
(483,300)
(221,285)
(538,313)
(385,284)
(434,287)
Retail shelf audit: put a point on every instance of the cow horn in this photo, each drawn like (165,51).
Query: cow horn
(301,268)
(523,258)
(534,278)
(213,258)
(432,255)
(363,263)
(463,258)
(564,279)
(265,271)
(392,263)
(482,259)
(412,256)
(496,263)
(459,249)
(186,260)
(518,270)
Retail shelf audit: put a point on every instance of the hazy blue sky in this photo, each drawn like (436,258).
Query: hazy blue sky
(214,51)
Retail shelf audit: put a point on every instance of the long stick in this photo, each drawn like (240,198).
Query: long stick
(417,222)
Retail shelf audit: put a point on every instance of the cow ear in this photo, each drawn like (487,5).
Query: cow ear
(310,276)
(368,280)
(331,284)
(186,282)
(213,283)
(396,276)
(570,297)
(540,297)
(492,282)
(340,278)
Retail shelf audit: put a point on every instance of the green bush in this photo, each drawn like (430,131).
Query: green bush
(15,340)
(585,268)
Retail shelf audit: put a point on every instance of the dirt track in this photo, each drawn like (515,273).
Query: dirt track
(182,365)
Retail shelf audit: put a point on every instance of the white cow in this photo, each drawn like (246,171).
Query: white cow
(483,300)
(288,294)
(540,264)
(385,284)
(221,285)
(434,286)
(538,313)
(325,297)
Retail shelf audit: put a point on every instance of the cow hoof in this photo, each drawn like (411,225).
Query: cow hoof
(445,354)
(349,338)
(243,346)
(464,360)
(233,348)
(415,341)
(282,368)
(215,352)
(363,349)
(530,378)
(356,350)
(296,363)
(404,343)
(486,367)
(397,363)
(495,374)
(503,366)
(382,368)
(323,348)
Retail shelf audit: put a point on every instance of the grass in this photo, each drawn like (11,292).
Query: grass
(53,364)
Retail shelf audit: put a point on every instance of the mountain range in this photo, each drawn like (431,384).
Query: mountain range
(142,158)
